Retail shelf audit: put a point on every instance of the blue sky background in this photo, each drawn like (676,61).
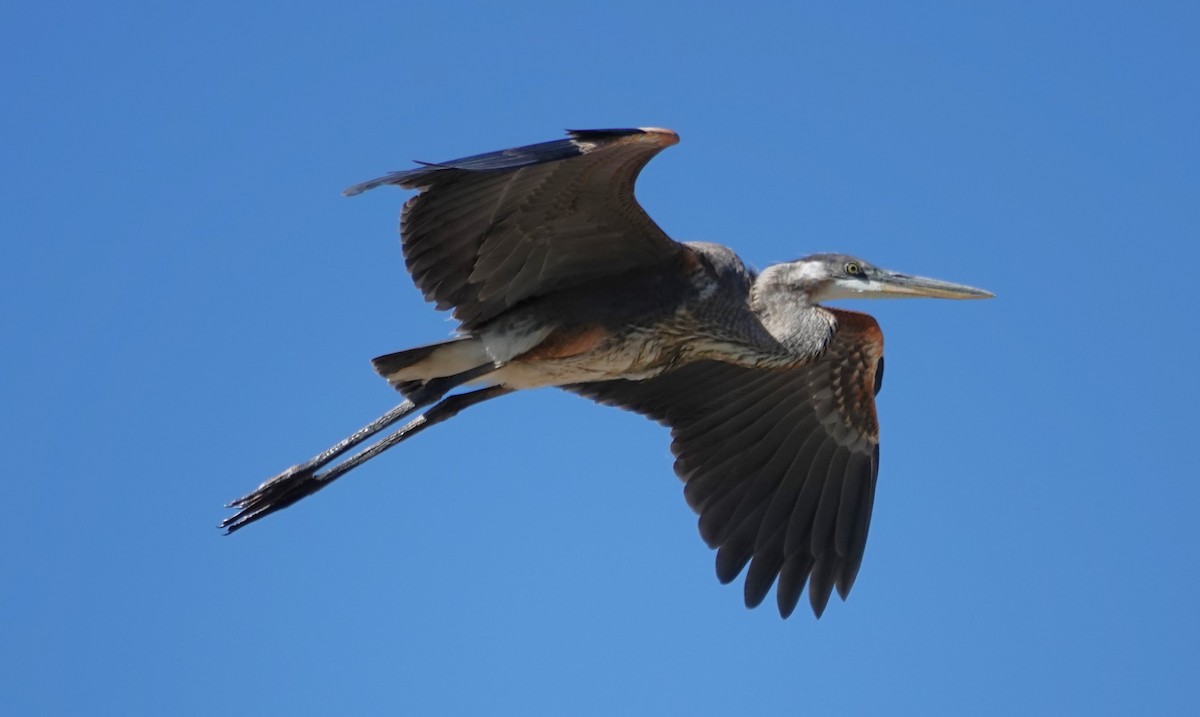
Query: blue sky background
(189,306)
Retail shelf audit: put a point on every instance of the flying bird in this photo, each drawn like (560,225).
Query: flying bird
(558,277)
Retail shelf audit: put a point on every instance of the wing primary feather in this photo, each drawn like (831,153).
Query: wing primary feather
(792,578)
(785,503)
(858,544)
(825,519)
(751,462)
(527,155)
(769,556)
(714,520)
(820,583)
(856,475)
(799,530)
(764,567)
(733,555)
(748,524)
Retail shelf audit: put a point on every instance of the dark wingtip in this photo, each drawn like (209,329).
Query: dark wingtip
(754,594)
(845,581)
(407,179)
(731,560)
(591,135)
(820,584)
(790,583)
(764,569)
(392,178)
(523,156)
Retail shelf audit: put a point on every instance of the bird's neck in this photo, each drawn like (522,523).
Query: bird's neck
(792,319)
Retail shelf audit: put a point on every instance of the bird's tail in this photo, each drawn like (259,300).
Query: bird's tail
(411,369)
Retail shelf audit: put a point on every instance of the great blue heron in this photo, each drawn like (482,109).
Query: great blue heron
(559,278)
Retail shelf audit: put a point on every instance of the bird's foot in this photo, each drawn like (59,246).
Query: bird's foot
(275,494)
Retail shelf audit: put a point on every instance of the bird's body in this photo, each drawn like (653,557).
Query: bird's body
(558,278)
(632,327)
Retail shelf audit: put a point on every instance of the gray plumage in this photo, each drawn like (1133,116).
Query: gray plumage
(559,278)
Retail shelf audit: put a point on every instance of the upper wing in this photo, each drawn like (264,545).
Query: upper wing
(489,231)
(779,463)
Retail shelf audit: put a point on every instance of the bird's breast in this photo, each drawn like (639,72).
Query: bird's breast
(592,352)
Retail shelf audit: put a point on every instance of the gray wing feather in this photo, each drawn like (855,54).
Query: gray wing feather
(781,464)
(489,231)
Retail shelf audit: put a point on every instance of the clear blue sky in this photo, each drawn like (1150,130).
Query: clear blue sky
(189,306)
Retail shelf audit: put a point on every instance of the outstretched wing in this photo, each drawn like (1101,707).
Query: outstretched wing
(489,231)
(779,463)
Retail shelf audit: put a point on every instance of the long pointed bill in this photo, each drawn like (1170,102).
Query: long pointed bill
(894,284)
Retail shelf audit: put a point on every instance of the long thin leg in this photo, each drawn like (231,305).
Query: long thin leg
(431,392)
(292,485)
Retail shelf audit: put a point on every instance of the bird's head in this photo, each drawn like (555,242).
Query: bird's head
(822,277)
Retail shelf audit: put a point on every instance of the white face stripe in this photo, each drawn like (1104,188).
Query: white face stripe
(818,279)
(852,289)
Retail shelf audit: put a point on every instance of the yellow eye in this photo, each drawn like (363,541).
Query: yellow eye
(853,269)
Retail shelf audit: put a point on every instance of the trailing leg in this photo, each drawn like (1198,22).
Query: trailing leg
(303,480)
